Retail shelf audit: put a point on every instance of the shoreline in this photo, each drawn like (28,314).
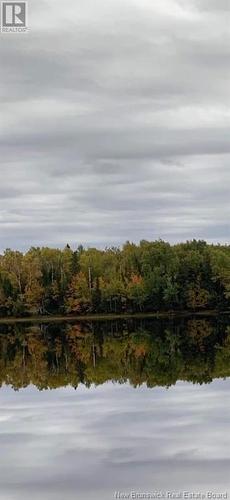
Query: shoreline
(110,317)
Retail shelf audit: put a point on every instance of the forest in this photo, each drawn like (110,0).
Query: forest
(136,278)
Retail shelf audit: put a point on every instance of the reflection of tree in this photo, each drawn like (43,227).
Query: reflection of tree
(154,353)
(198,331)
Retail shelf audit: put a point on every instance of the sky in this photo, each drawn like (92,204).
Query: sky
(115,123)
(90,443)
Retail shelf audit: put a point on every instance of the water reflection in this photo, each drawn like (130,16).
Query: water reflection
(89,443)
(151,352)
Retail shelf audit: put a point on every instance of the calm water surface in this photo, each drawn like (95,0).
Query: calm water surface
(88,410)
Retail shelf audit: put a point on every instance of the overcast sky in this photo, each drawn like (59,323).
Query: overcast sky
(115,123)
(87,444)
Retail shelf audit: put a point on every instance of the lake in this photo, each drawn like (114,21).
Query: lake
(115,409)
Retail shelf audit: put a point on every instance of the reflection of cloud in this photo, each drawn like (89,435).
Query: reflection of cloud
(118,115)
(90,442)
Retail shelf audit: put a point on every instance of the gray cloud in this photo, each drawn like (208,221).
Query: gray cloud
(91,442)
(115,123)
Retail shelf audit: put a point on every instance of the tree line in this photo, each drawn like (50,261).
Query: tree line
(144,277)
(148,352)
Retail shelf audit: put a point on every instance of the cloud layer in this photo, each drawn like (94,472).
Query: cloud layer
(90,443)
(115,123)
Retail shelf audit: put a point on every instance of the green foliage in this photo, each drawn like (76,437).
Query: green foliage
(151,276)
